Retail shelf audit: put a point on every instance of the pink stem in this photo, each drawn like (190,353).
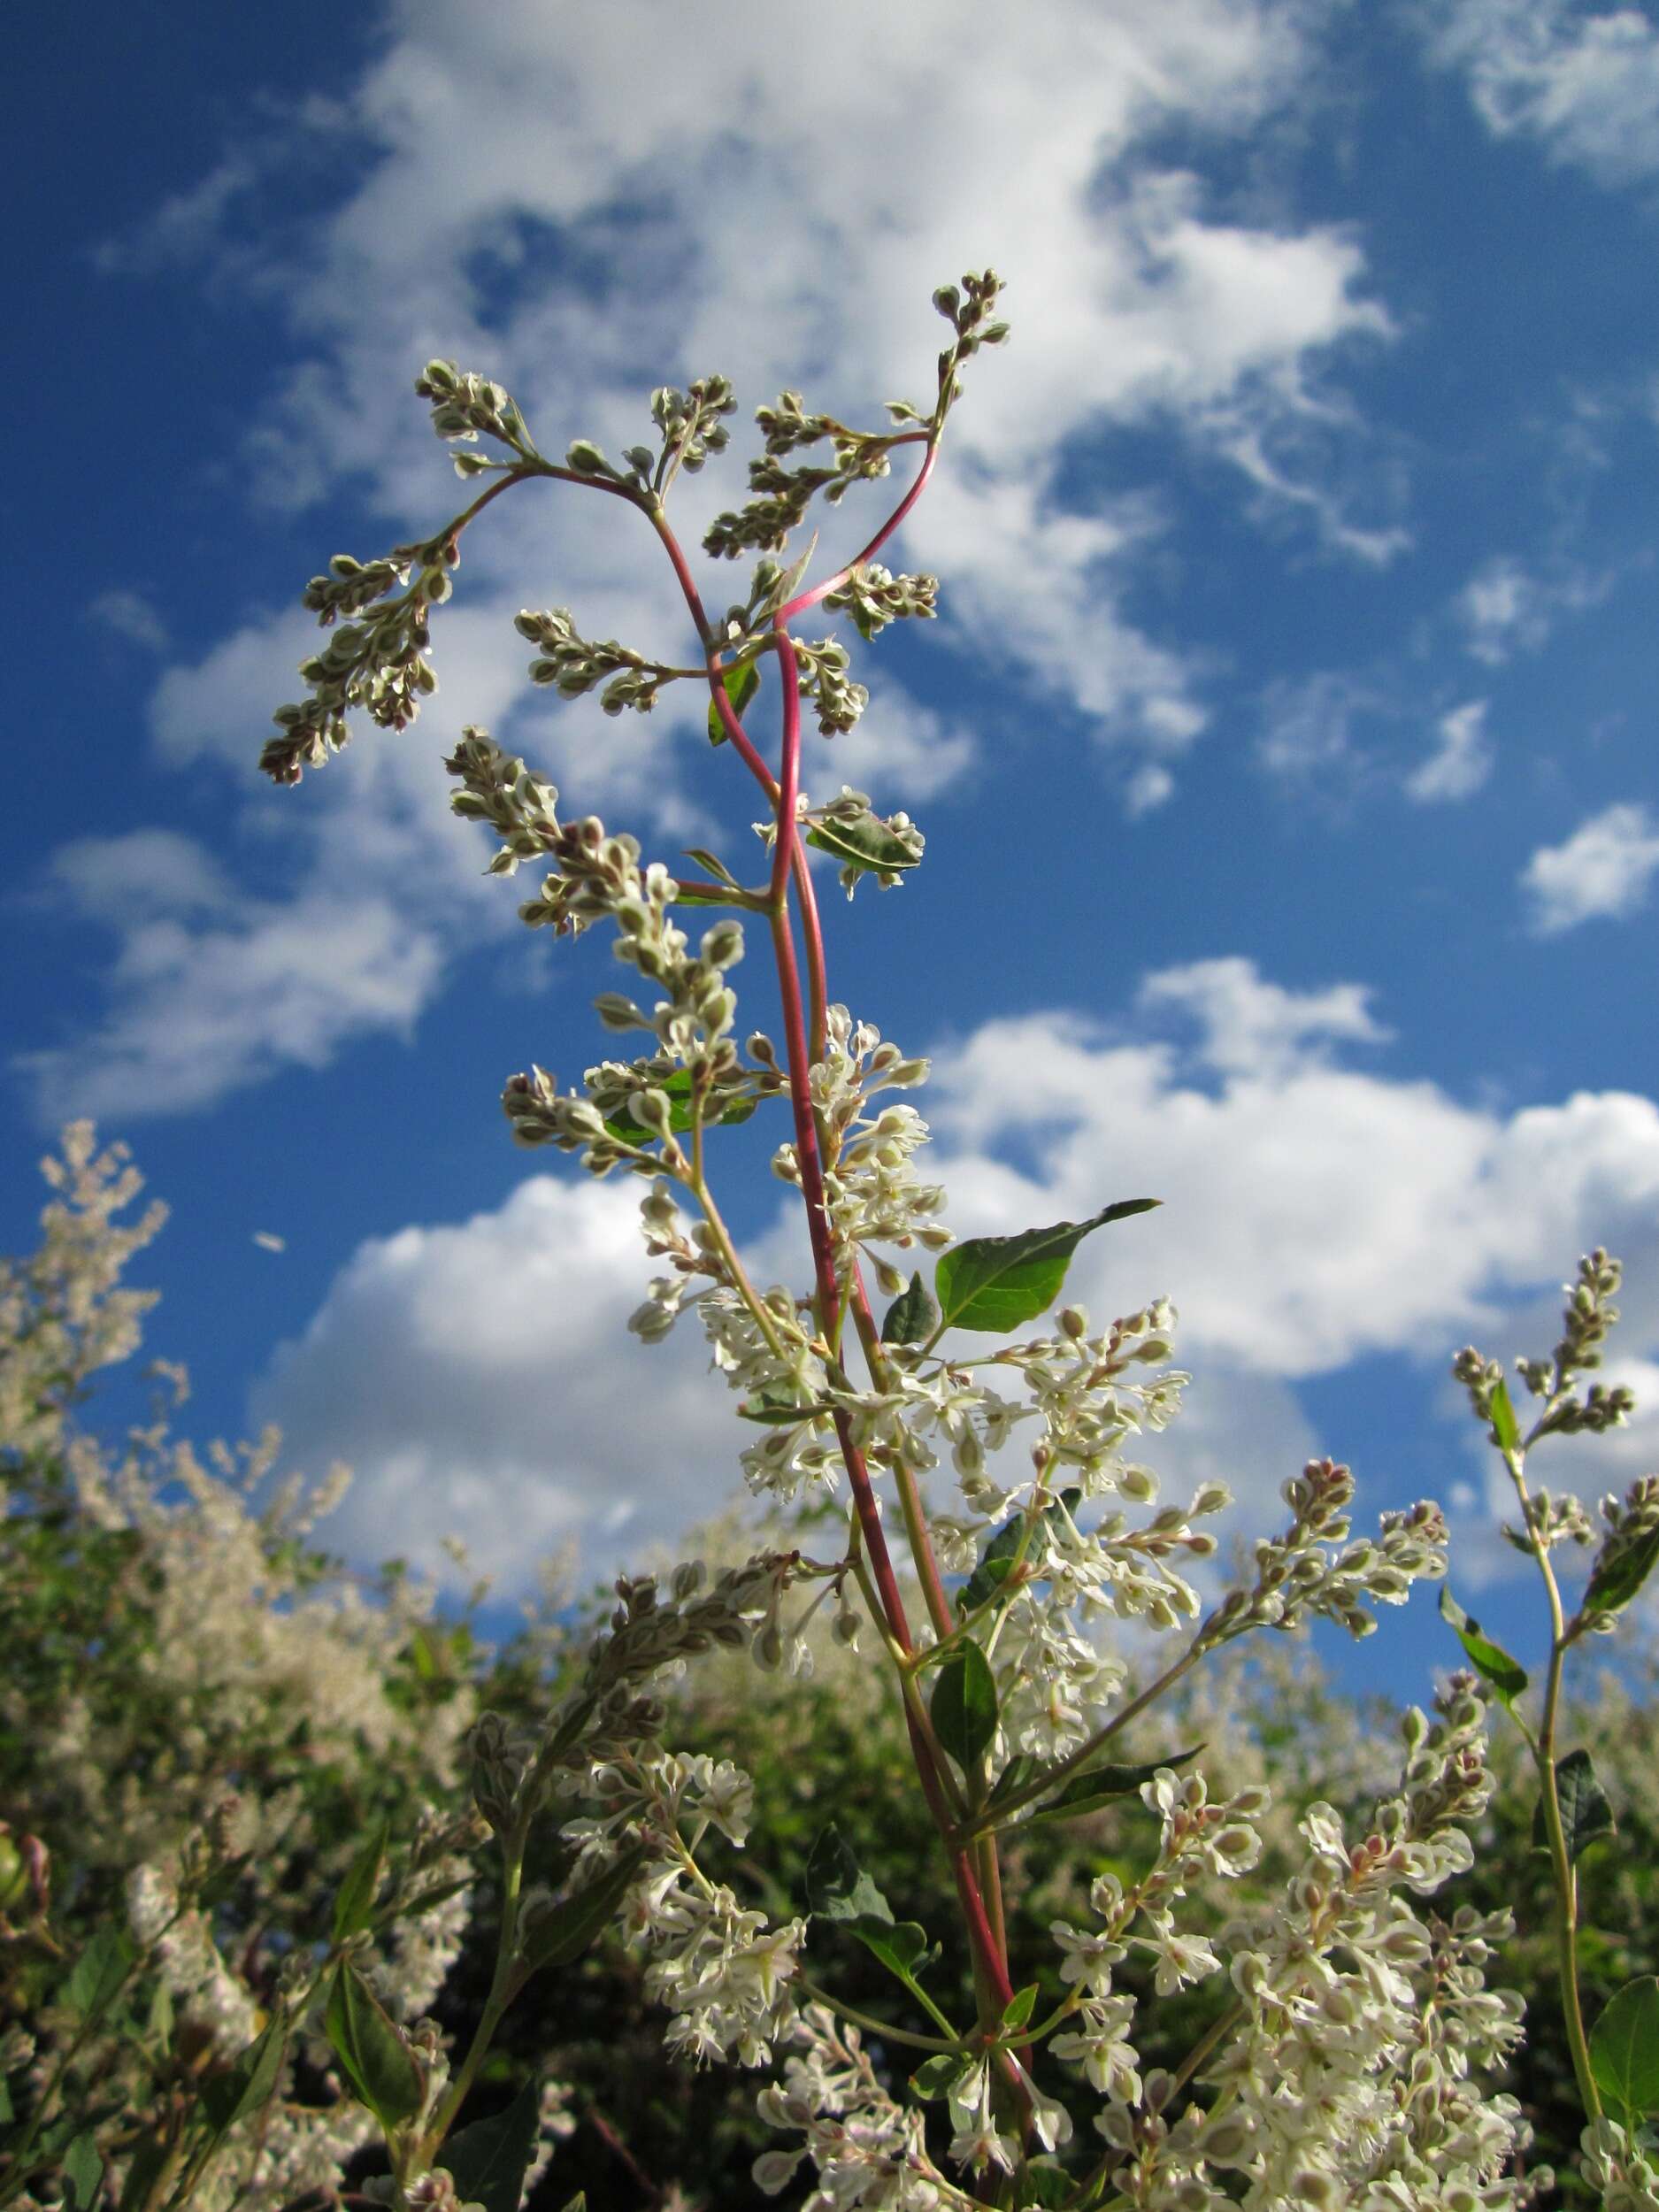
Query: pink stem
(811,598)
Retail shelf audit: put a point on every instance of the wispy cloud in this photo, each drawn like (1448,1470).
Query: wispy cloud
(1582,80)
(1507,607)
(1461,759)
(129,614)
(1603,871)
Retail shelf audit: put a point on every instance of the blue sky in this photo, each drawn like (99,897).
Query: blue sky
(1285,748)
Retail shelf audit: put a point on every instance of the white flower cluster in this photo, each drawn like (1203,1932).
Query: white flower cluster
(1297,1577)
(179,1941)
(870,1187)
(1349,2079)
(1627,2177)
(721,1971)
(868,2150)
(63,1314)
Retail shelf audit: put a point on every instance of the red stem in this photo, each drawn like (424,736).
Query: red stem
(789,857)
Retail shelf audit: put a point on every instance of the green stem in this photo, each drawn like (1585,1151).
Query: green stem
(1565,1879)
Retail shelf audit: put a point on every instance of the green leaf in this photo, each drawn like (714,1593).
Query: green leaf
(996,1283)
(713,864)
(837,1887)
(160,2022)
(900,1944)
(1020,2006)
(1095,1786)
(1490,1660)
(142,2170)
(1625,2051)
(913,1317)
(576,1925)
(7,2110)
(247,2082)
(1045,2185)
(936,2077)
(490,2159)
(98,1973)
(740,684)
(1014,1777)
(373,2056)
(677,1086)
(1584,1811)
(997,1559)
(82,2173)
(772,1406)
(1620,1573)
(865,844)
(963,1707)
(1505,1427)
(354,1905)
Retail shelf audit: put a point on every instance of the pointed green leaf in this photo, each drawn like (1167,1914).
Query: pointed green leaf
(490,2159)
(1620,1572)
(775,1407)
(576,1925)
(740,684)
(1584,1811)
(248,2082)
(1095,1786)
(160,2022)
(865,844)
(963,1706)
(713,865)
(1020,2006)
(82,2172)
(936,2077)
(997,1559)
(837,1887)
(913,1317)
(354,1905)
(1625,2051)
(1490,1660)
(1505,1427)
(996,1283)
(98,1973)
(373,2056)
(7,2112)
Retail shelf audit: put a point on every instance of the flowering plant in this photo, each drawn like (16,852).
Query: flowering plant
(1349,2026)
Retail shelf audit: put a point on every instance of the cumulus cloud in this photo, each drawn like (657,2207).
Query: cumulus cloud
(1604,869)
(479,1375)
(480,1378)
(1461,759)
(1581,80)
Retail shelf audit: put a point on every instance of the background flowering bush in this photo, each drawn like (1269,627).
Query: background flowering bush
(243,1867)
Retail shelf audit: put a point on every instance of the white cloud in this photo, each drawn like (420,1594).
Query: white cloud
(129,614)
(1308,725)
(1603,869)
(1582,80)
(201,1010)
(480,1376)
(1313,1212)
(791,243)
(480,1379)
(1461,759)
(1506,608)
